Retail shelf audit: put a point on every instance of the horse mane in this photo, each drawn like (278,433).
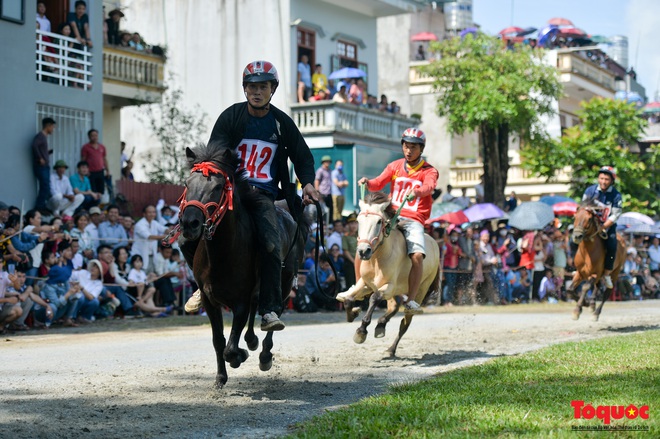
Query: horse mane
(380,198)
(590,204)
(227,159)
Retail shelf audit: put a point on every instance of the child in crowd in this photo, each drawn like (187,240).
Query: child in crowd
(140,287)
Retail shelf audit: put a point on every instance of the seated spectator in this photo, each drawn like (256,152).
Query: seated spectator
(86,244)
(372,103)
(62,199)
(91,287)
(10,308)
(520,286)
(26,299)
(141,288)
(78,260)
(129,225)
(81,185)
(321,95)
(356,94)
(337,260)
(110,276)
(341,95)
(32,224)
(548,288)
(302,298)
(111,232)
(63,298)
(166,214)
(23,242)
(95,218)
(136,42)
(113,36)
(322,294)
(79,22)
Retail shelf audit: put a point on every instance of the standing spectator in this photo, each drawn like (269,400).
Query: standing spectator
(356,92)
(339,184)
(166,214)
(62,197)
(323,184)
(341,95)
(95,155)
(148,232)
(163,269)
(479,190)
(511,203)
(113,26)
(127,171)
(448,197)
(463,200)
(420,55)
(111,276)
(488,261)
(79,22)
(452,251)
(304,79)
(466,264)
(337,235)
(349,244)
(654,254)
(41,162)
(559,256)
(111,232)
(81,185)
(319,80)
(44,22)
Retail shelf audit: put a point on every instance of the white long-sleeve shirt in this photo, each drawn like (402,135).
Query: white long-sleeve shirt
(60,185)
(142,246)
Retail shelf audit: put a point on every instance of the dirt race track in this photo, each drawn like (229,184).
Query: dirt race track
(153,377)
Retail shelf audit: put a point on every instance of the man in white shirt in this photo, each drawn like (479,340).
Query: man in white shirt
(147,233)
(62,199)
(654,253)
(448,197)
(92,229)
(44,22)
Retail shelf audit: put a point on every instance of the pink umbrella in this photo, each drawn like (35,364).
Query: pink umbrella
(572,32)
(557,21)
(424,36)
(511,30)
(565,208)
(457,218)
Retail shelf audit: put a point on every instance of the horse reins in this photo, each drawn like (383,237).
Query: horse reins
(213,212)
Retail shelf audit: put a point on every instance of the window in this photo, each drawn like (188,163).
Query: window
(70,133)
(347,53)
(13,10)
(307,45)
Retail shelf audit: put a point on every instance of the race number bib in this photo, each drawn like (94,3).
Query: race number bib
(401,187)
(256,158)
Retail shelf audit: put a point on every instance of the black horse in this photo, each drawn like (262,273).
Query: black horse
(218,240)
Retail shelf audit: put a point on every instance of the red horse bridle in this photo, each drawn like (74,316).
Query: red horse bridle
(213,212)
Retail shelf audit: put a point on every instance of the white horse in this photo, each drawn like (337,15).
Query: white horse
(385,268)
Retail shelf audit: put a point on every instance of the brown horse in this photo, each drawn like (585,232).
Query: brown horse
(589,259)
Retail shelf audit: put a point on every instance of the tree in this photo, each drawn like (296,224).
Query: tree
(607,128)
(175,127)
(484,86)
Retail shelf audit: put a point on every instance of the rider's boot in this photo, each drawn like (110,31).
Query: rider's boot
(194,303)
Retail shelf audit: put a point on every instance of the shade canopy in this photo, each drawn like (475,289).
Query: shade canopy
(424,36)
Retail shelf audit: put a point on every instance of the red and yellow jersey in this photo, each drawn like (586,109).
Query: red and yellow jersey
(420,179)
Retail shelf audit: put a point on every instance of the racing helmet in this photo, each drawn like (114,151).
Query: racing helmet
(609,170)
(414,135)
(261,71)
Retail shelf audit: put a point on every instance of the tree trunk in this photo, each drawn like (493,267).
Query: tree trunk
(495,143)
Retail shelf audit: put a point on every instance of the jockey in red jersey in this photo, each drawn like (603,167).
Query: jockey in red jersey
(410,175)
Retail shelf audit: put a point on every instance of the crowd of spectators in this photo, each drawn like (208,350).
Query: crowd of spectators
(317,87)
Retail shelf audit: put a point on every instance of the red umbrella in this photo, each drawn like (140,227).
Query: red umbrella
(565,208)
(560,21)
(424,36)
(572,32)
(457,218)
(511,30)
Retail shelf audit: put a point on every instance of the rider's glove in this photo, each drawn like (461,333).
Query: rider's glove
(603,233)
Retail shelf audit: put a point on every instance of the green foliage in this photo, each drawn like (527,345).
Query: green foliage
(527,395)
(175,128)
(607,128)
(480,82)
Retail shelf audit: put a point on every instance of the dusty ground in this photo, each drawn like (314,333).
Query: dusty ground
(153,377)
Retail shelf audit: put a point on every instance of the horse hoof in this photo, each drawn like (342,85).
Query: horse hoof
(253,344)
(390,354)
(352,314)
(594,318)
(265,367)
(379,332)
(360,337)
(220,382)
(576,314)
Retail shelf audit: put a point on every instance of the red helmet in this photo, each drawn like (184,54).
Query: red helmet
(260,71)
(609,170)
(414,135)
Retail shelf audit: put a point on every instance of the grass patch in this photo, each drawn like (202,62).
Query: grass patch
(526,395)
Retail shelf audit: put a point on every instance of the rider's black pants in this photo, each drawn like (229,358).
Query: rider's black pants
(269,244)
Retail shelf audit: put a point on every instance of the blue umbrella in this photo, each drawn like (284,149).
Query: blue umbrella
(483,211)
(545,35)
(532,215)
(347,72)
(551,200)
(526,31)
(469,30)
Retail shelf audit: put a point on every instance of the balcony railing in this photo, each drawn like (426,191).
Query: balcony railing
(328,117)
(572,62)
(61,60)
(468,175)
(415,75)
(129,66)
